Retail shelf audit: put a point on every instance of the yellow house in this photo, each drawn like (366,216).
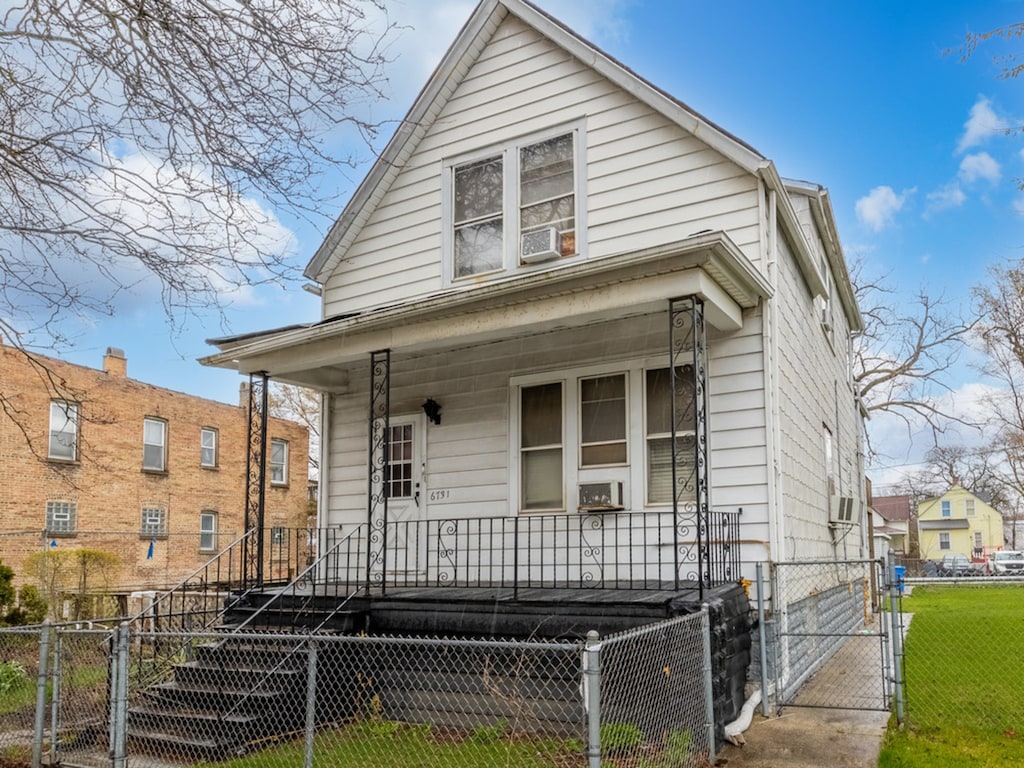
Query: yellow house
(958,523)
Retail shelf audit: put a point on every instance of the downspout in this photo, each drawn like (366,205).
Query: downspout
(776,527)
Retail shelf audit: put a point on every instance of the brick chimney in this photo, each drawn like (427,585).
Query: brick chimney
(243,394)
(115,363)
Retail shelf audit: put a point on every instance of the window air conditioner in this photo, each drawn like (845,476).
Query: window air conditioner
(540,245)
(841,511)
(600,497)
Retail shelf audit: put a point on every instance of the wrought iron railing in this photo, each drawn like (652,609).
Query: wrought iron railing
(634,551)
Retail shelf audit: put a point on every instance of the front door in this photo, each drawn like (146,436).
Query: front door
(406,505)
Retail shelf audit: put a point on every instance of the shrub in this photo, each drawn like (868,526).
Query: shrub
(12,676)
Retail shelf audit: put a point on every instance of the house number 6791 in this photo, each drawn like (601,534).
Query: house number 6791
(440,495)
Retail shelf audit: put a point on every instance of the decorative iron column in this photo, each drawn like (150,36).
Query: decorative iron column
(690,462)
(377,502)
(255,481)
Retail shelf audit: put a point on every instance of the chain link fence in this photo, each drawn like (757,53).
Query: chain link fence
(963,658)
(125,696)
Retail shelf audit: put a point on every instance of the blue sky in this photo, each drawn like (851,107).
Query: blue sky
(859,97)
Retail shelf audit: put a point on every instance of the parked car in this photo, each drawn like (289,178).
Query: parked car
(955,565)
(1008,561)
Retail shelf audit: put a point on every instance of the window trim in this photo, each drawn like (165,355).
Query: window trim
(633,474)
(271,463)
(72,509)
(163,446)
(203,431)
(945,508)
(75,420)
(508,151)
(145,533)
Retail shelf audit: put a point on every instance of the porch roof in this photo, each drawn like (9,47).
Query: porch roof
(709,265)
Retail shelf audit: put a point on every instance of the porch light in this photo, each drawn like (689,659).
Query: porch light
(433,410)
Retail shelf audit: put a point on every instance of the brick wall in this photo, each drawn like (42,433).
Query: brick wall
(107,483)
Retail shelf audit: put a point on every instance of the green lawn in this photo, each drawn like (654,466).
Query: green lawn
(964,672)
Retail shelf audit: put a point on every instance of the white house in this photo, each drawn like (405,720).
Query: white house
(558,284)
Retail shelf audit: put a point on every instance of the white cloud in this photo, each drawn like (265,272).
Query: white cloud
(1018,206)
(981,125)
(980,166)
(877,209)
(949,196)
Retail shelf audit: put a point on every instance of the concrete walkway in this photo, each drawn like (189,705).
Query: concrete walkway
(803,737)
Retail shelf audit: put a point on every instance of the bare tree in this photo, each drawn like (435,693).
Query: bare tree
(902,357)
(147,143)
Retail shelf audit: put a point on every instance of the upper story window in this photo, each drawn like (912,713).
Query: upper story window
(946,509)
(154,445)
(208,447)
(969,507)
(514,206)
(278,461)
(60,518)
(63,443)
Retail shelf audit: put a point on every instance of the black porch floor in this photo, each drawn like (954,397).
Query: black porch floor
(475,611)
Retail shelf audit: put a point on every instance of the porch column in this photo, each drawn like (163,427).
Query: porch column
(377,502)
(255,481)
(688,375)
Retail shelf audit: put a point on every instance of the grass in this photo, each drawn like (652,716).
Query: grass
(964,672)
(384,744)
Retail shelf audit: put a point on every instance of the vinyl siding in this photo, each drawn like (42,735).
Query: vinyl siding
(647,180)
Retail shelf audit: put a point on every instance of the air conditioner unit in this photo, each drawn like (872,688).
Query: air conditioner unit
(600,497)
(540,245)
(842,511)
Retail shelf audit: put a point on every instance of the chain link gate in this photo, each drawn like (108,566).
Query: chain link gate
(829,635)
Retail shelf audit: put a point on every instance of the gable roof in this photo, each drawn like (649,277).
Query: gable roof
(892,508)
(455,65)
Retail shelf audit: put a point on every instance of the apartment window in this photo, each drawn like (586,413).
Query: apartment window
(946,509)
(979,542)
(208,447)
(154,523)
(969,507)
(154,445)
(603,420)
(278,461)
(524,188)
(278,535)
(60,518)
(541,447)
(63,444)
(207,531)
(943,540)
(658,390)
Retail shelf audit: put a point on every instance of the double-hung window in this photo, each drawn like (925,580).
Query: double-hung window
(154,445)
(944,540)
(541,447)
(278,461)
(601,426)
(207,531)
(63,444)
(208,447)
(658,391)
(946,507)
(514,206)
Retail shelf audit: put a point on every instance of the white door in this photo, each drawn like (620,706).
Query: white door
(407,533)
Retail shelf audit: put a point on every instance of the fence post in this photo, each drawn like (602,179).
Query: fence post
(897,638)
(40,721)
(709,694)
(55,694)
(119,700)
(307,760)
(762,638)
(592,691)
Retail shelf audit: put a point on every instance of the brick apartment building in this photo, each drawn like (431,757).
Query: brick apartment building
(96,460)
